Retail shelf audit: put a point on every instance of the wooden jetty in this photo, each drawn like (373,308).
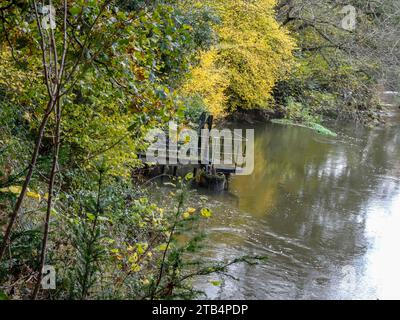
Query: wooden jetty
(214,175)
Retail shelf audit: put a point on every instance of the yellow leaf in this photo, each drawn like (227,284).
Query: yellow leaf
(189,176)
(191,210)
(135,268)
(216,283)
(167,233)
(206,213)
(15,189)
(186,215)
(133,258)
(142,247)
(12,189)
(162,247)
(33,195)
(109,240)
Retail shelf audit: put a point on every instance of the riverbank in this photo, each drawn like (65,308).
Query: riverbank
(375,116)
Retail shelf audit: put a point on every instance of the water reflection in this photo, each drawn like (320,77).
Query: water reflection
(325,211)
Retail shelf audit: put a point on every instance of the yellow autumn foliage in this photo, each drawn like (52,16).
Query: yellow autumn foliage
(16,190)
(209,82)
(254,52)
(17,80)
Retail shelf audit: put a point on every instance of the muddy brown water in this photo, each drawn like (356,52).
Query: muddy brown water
(325,211)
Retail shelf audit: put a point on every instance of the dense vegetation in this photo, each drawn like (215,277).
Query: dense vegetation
(76,101)
(342,65)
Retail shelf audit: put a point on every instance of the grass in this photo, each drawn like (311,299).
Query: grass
(310,125)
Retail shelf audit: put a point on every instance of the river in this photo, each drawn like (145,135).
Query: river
(325,211)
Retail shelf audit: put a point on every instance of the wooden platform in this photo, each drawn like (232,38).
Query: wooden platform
(221,168)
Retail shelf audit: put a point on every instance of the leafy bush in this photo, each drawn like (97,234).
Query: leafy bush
(254,52)
(194,108)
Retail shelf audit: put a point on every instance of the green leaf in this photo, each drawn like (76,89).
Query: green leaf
(75,10)
(189,176)
(3,296)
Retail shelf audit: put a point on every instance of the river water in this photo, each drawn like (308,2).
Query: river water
(325,211)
